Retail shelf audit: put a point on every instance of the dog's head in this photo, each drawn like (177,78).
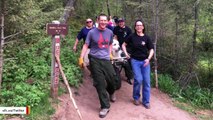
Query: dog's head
(116,50)
(115,45)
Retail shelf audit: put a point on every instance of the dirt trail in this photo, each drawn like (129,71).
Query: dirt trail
(88,104)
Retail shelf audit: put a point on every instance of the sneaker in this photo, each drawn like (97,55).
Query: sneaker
(147,106)
(112,97)
(103,112)
(136,102)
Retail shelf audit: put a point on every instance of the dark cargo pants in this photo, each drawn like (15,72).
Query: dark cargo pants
(104,78)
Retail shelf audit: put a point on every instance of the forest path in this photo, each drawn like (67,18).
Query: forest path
(87,101)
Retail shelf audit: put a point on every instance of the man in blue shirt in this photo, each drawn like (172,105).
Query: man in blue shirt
(83,33)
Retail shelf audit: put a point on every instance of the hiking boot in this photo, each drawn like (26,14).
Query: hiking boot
(103,112)
(147,106)
(130,81)
(136,102)
(112,97)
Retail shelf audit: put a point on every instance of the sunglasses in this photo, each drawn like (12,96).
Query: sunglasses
(88,21)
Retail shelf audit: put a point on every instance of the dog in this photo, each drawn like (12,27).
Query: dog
(119,61)
(117,52)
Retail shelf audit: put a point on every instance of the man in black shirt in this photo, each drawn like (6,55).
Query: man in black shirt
(121,32)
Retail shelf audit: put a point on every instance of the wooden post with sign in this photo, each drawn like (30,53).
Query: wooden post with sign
(55,29)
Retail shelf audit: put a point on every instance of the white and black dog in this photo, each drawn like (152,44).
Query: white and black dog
(119,61)
(117,52)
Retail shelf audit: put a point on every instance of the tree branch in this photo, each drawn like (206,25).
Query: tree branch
(11,35)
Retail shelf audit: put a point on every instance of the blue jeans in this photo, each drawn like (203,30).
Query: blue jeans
(141,77)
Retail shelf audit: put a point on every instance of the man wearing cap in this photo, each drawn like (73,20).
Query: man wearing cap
(83,33)
(121,32)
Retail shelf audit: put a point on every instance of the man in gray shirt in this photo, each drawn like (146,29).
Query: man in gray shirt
(104,76)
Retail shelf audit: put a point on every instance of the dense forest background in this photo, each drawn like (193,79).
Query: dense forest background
(181,30)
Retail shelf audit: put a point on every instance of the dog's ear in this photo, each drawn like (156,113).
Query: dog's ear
(123,54)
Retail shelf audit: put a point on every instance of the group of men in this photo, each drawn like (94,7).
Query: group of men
(120,33)
(99,40)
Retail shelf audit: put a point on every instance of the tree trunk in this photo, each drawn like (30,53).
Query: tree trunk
(156,19)
(193,59)
(140,11)
(186,79)
(176,49)
(67,11)
(108,10)
(2,40)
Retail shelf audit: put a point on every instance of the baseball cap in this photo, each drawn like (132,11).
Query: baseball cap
(115,19)
(121,20)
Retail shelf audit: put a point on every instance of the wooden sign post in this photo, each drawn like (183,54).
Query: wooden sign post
(55,29)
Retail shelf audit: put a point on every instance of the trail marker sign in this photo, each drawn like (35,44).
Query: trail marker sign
(55,29)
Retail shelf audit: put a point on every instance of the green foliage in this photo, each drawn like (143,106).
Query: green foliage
(22,94)
(92,8)
(43,111)
(199,97)
(69,62)
(32,62)
(26,79)
(205,69)
(26,70)
(27,60)
(23,15)
(167,85)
